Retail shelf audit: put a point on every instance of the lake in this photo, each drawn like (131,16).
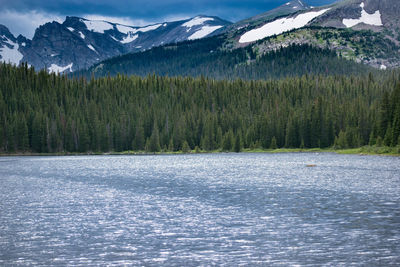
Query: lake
(201,209)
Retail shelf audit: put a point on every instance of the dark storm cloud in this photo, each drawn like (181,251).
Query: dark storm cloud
(151,9)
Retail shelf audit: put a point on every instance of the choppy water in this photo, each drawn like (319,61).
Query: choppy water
(217,209)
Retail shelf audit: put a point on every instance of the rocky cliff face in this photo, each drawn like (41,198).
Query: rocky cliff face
(79,43)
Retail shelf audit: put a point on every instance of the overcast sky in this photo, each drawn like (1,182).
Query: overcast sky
(23,16)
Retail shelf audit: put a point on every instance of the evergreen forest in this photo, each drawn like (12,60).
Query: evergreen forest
(49,113)
(205,57)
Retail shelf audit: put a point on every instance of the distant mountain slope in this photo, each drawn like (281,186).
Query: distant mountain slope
(203,57)
(10,47)
(379,48)
(363,31)
(283,10)
(78,43)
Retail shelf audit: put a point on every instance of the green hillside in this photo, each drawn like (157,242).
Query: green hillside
(208,58)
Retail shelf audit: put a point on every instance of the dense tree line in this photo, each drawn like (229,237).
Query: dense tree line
(205,58)
(43,112)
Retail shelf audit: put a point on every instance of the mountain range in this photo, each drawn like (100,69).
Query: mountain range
(363,31)
(78,43)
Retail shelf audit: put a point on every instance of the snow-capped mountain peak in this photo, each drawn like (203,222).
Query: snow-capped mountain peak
(78,43)
(199,20)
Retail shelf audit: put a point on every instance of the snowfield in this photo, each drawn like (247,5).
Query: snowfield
(280,25)
(371,19)
(57,69)
(10,55)
(97,25)
(131,32)
(196,21)
(126,29)
(204,31)
(130,38)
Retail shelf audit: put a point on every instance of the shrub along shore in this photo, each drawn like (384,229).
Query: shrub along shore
(366,150)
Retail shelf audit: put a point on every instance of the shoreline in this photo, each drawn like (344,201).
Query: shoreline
(363,151)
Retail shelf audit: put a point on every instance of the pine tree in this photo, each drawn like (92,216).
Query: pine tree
(185,147)
(22,135)
(83,137)
(171,145)
(139,140)
(341,141)
(237,145)
(1,136)
(37,134)
(273,144)
(227,143)
(154,141)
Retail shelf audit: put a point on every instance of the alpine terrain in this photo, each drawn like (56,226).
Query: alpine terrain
(78,43)
(360,31)
(333,39)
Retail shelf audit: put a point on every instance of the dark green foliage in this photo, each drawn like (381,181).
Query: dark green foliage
(185,147)
(138,141)
(206,58)
(43,112)
(390,117)
(273,143)
(153,143)
(238,144)
(227,141)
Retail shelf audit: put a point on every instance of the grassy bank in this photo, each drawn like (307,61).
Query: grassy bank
(366,150)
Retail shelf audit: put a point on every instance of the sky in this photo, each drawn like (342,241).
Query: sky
(24,16)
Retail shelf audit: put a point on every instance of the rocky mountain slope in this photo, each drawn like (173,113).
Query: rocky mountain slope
(363,31)
(354,31)
(366,31)
(255,21)
(78,43)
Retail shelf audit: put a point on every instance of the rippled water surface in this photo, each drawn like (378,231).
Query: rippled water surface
(223,209)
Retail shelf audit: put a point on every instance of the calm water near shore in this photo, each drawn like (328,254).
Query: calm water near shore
(202,209)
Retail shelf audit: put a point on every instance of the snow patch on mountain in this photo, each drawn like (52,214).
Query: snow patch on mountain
(91,48)
(366,18)
(82,35)
(70,29)
(280,25)
(97,25)
(57,69)
(196,21)
(132,32)
(10,55)
(204,31)
(115,39)
(126,29)
(130,38)
(149,28)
